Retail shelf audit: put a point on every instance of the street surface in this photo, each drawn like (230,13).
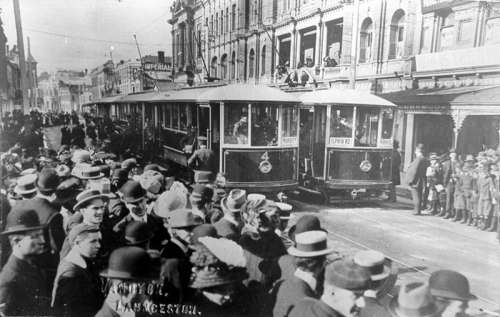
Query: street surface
(416,245)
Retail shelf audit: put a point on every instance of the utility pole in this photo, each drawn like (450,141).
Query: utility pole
(22,60)
(355,40)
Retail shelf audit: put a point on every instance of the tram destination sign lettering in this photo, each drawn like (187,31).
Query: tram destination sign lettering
(341,141)
(157,67)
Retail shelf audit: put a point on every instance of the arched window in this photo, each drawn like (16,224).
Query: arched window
(263,59)
(213,67)
(223,66)
(216,29)
(251,63)
(447,32)
(365,41)
(233,18)
(233,65)
(396,38)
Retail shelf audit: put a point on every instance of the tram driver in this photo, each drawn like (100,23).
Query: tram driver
(240,129)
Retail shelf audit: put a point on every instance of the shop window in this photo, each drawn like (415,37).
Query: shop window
(263,60)
(333,43)
(235,124)
(447,32)
(289,124)
(251,63)
(223,66)
(465,32)
(492,31)
(264,125)
(396,38)
(341,124)
(366,41)
(366,127)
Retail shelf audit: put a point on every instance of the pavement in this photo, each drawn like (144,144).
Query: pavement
(417,245)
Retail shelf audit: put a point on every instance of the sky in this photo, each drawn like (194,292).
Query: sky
(80,34)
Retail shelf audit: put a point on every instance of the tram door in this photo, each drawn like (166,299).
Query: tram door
(305,141)
(204,127)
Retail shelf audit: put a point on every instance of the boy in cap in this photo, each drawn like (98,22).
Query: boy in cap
(345,283)
(23,286)
(310,252)
(77,287)
(231,224)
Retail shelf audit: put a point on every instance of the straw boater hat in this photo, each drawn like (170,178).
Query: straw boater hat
(26,184)
(217,261)
(88,195)
(234,201)
(374,261)
(310,244)
(285,210)
(169,201)
(414,300)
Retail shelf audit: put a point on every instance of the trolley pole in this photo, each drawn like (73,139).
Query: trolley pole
(22,60)
(354,48)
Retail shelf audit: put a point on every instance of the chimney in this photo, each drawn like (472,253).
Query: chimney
(161,57)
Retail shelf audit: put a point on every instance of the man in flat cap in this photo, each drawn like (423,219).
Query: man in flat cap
(345,283)
(23,284)
(77,287)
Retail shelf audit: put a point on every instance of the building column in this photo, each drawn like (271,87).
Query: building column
(319,43)
(293,48)
(410,125)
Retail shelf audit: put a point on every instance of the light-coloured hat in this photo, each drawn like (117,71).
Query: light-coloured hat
(285,210)
(26,184)
(89,172)
(256,197)
(152,181)
(183,218)
(310,244)
(87,196)
(234,201)
(63,170)
(81,156)
(28,171)
(374,261)
(415,300)
(168,202)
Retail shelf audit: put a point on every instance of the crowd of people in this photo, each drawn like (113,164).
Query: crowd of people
(465,190)
(87,233)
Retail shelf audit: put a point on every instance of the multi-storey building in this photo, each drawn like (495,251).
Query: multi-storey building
(128,76)
(64,90)
(434,58)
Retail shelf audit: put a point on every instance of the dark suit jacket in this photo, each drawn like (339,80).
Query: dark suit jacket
(77,290)
(227,229)
(310,307)
(175,272)
(23,289)
(155,224)
(448,168)
(415,175)
(290,293)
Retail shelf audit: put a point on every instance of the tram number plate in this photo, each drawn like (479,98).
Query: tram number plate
(361,190)
(340,141)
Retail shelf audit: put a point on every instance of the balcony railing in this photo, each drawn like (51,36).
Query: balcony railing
(461,58)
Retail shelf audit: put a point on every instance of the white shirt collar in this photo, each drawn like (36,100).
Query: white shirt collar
(306,277)
(231,219)
(180,244)
(50,198)
(140,219)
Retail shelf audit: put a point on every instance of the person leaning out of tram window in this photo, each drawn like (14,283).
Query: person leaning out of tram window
(240,129)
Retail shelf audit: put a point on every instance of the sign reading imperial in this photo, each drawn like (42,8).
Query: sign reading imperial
(157,67)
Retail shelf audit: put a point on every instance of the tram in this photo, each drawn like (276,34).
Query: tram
(345,144)
(253,129)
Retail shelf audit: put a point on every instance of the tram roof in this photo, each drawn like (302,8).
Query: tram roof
(344,96)
(247,93)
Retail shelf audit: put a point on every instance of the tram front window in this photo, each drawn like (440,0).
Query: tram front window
(387,123)
(366,127)
(235,124)
(341,122)
(289,126)
(264,125)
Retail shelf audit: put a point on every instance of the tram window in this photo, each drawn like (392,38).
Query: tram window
(366,127)
(175,116)
(387,124)
(235,124)
(264,125)
(289,126)
(183,118)
(341,122)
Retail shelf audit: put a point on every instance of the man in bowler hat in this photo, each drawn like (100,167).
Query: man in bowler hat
(23,284)
(451,290)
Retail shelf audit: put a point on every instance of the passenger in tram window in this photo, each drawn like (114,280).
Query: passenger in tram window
(240,129)
(188,141)
(264,131)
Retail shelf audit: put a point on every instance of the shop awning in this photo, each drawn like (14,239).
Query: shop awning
(468,95)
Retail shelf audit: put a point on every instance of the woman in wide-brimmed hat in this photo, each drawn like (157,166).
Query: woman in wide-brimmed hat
(218,272)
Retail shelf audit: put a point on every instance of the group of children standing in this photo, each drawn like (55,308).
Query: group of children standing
(466,191)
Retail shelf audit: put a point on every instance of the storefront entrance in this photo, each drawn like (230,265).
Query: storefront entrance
(435,132)
(478,133)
